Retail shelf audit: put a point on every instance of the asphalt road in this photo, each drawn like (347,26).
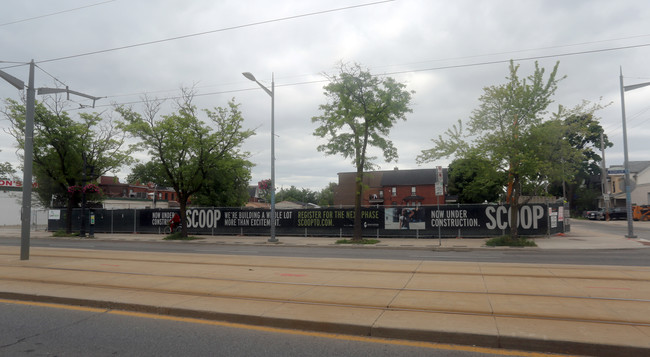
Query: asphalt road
(35,330)
(617,227)
(620,257)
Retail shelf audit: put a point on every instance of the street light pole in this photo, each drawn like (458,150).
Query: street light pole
(271,92)
(628,198)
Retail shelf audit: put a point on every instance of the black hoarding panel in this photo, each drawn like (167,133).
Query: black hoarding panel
(488,220)
(414,222)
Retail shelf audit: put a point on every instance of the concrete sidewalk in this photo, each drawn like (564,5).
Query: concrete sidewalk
(587,310)
(583,235)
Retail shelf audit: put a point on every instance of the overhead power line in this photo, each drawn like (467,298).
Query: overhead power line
(54,13)
(522,59)
(474,64)
(215,31)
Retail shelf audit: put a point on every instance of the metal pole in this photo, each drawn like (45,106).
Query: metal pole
(82,229)
(628,197)
(604,187)
(271,92)
(27,170)
(437,224)
(273,238)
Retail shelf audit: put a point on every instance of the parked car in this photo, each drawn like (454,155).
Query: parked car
(592,215)
(614,213)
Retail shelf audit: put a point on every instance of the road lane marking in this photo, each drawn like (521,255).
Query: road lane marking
(53,305)
(366,339)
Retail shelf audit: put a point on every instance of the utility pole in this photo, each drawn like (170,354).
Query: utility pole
(26,211)
(603,179)
(27,166)
(82,228)
(26,216)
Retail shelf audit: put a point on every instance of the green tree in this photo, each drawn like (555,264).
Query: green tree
(475,180)
(185,147)
(583,133)
(226,185)
(326,195)
(359,114)
(60,144)
(503,129)
(6,170)
(295,194)
(147,172)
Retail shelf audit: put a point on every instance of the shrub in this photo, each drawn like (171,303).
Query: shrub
(507,241)
(362,241)
(179,236)
(61,233)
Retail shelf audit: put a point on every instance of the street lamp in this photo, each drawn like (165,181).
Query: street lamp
(628,198)
(271,92)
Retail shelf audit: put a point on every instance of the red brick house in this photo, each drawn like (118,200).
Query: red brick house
(392,188)
(114,190)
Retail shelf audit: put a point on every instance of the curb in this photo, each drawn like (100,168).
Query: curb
(442,337)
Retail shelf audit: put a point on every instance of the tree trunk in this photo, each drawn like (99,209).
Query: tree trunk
(183,213)
(514,209)
(68,215)
(358,233)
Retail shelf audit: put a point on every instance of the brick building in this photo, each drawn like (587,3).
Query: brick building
(392,188)
(124,195)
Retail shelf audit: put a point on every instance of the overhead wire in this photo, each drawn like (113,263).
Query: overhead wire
(320,81)
(52,76)
(216,31)
(522,50)
(530,58)
(475,64)
(54,13)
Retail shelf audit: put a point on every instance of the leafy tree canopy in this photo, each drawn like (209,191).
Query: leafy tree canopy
(63,147)
(226,184)
(6,170)
(144,173)
(185,147)
(326,195)
(294,194)
(475,180)
(360,112)
(509,130)
(584,134)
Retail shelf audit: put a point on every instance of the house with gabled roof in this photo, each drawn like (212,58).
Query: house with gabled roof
(395,187)
(640,183)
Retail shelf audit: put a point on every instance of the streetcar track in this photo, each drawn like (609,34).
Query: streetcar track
(352,269)
(318,303)
(253,281)
(565,274)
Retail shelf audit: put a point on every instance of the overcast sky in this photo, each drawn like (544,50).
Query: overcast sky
(446,51)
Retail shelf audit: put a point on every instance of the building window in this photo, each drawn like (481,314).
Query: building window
(394,191)
(412,190)
(381,194)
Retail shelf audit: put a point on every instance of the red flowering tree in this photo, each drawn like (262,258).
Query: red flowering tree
(264,188)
